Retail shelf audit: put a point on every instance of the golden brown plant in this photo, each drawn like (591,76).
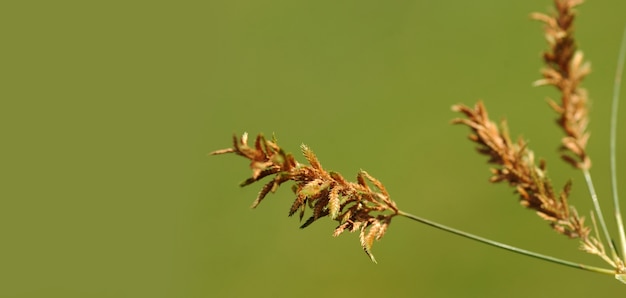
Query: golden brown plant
(356,206)
(564,69)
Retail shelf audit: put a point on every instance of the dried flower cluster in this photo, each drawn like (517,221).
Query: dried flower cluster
(565,69)
(356,206)
(517,166)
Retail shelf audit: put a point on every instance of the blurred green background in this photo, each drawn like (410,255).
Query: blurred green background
(110,108)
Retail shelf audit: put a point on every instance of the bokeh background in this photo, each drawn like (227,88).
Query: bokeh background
(110,108)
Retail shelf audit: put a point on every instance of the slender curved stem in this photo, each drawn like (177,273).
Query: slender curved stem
(596,205)
(613,140)
(506,246)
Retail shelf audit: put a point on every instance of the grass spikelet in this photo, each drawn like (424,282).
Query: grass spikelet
(327,194)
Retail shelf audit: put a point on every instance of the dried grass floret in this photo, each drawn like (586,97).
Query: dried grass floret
(356,206)
(515,164)
(565,69)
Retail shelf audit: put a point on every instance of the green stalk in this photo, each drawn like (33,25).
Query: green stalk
(596,206)
(613,140)
(506,246)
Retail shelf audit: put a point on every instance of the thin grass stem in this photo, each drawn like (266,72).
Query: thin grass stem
(506,246)
(598,210)
(613,140)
